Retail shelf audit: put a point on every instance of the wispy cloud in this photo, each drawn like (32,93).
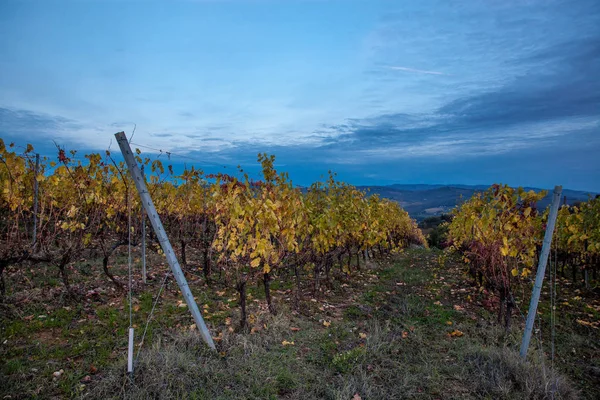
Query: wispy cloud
(418,71)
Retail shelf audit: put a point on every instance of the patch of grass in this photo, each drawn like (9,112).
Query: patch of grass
(346,360)
(388,335)
(499,373)
(355,312)
(286,382)
(13,366)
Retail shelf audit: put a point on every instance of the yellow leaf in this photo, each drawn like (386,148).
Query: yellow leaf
(326,323)
(286,343)
(586,323)
(456,333)
(255,263)
(514,272)
(362,335)
(219,337)
(525,272)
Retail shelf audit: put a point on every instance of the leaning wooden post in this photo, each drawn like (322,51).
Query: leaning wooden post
(539,277)
(157,225)
(143,236)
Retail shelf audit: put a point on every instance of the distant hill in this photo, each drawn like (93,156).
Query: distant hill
(422,201)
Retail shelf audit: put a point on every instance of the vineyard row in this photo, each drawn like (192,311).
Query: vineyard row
(245,230)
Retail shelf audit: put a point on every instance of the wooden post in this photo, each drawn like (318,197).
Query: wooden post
(35,198)
(161,235)
(143,236)
(539,277)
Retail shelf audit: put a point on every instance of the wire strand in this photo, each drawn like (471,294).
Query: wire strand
(170,153)
(129,254)
(554,269)
(150,315)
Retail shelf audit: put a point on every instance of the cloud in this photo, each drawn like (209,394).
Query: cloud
(419,71)
(14,121)
(554,99)
(560,83)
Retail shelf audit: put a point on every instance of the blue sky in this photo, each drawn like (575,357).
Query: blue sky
(379,91)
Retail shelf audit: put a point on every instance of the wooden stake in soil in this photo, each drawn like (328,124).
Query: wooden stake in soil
(162,237)
(539,277)
(143,232)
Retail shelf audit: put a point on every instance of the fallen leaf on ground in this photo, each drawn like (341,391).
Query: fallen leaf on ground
(286,343)
(362,335)
(326,323)
(586,323)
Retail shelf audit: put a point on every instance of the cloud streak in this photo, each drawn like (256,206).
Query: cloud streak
(418,71)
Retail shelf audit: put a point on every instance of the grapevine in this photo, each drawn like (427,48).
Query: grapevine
(248,230)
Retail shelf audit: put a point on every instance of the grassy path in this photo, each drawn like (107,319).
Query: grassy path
(402,329)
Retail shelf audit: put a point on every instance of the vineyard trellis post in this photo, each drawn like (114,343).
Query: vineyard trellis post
(162,237)
(143,232)
(36,187)
(539,278)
